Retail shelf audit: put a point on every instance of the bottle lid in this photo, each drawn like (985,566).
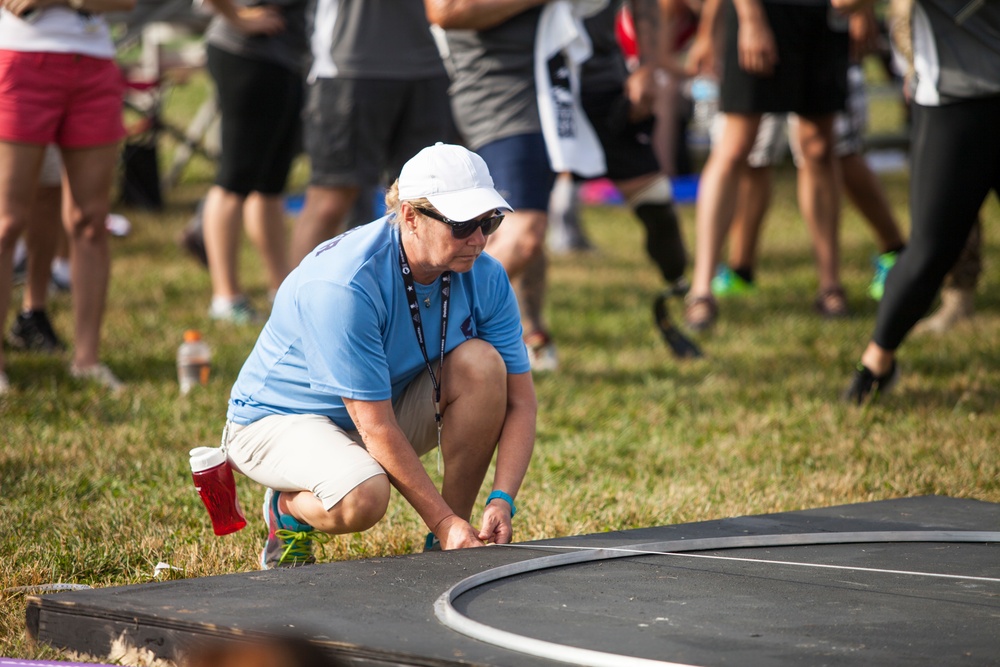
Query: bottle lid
(191,335)
(203,458)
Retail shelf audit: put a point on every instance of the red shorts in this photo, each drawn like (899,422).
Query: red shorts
(68,99)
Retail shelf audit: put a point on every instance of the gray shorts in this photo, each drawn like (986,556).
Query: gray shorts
(360,132)
(311,453)
(770,144)
(51,175)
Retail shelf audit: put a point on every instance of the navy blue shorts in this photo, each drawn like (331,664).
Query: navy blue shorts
(520,169)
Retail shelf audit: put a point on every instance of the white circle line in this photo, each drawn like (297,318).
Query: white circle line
(852,568)
(450,617)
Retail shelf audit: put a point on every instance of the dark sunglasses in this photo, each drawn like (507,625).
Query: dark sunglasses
(463,229)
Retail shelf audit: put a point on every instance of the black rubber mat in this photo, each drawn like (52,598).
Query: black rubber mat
(872,602)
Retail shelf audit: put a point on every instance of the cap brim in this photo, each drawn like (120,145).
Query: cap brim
(468,204)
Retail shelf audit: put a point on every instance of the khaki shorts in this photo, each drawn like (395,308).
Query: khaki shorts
(311,453)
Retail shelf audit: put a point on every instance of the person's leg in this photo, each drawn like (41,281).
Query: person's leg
(360,508)
(474,403)
(261,106)
(322,217)
(865,191)
(42,238)
(867,194)
(520,169)
(90,174)
(565,233)
(319,478)
(953,168)
(222,220)
(347,129)
(651,201)
(754,197)
(264,219)
(19,167)
(819,201)
(714,212)
(32,329)
(519,244)
(958,292)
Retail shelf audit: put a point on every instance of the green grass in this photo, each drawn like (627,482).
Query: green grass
(96,490)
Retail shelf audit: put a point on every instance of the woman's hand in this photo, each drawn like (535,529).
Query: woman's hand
(259,20)
(497,524)
(456,533)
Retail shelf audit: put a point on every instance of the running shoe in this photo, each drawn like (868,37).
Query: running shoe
(98,374)
(237,311)
(541,352)
(33,331)
(866,386)
(884,262)
(289,542)
(727,283)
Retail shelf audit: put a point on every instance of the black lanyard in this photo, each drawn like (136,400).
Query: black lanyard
(418,327)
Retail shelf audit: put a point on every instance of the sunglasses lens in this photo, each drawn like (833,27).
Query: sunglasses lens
(465,229)
(491,224)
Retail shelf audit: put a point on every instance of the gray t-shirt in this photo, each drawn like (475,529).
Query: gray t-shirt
(493,80)
(957,45)
(288,48)
(377,39)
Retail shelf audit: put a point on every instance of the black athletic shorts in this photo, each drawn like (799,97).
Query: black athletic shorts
(261,107)
(628,147)
(811,75)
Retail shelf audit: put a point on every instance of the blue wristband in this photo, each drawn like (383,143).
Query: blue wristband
(506,498)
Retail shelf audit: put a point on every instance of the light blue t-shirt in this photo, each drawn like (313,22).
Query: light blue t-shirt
(340,328)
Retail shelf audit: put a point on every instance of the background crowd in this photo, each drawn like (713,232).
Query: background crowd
(357,88)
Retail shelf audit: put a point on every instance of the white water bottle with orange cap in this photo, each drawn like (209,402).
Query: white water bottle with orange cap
(194,361)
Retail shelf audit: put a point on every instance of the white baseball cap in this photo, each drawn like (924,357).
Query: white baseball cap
(454,179)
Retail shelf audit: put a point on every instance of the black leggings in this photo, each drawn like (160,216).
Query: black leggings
(955,152)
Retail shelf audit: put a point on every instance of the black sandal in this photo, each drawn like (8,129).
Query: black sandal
(700,312)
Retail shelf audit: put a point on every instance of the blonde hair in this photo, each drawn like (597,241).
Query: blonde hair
(392,202)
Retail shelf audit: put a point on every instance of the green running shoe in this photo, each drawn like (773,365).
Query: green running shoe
(728,283)
(884,262)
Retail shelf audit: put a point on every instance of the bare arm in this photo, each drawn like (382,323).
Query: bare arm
(517,440)
(850,5)
(758,53)
(388,445)
(640,86)
(259,20)
(475,14)
(22,7)
(703,56)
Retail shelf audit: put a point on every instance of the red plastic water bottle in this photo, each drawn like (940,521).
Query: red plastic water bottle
(213,478)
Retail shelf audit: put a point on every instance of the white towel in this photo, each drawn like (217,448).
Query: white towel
(561,46)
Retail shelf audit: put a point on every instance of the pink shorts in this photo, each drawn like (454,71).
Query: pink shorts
(67,99)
